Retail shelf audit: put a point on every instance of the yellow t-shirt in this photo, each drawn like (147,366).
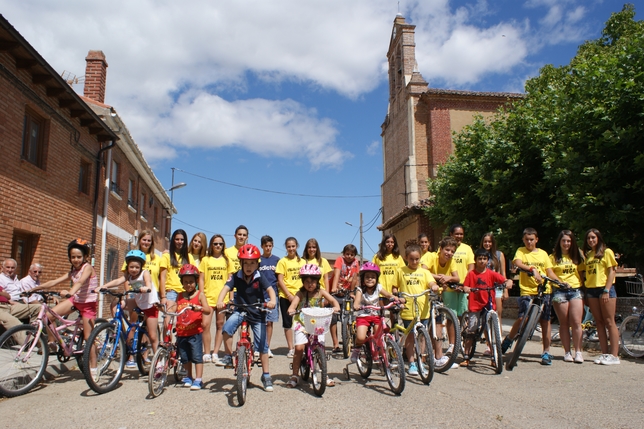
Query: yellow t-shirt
(216,273)
(290,269)
(566,270)
(597,269)
(232,252)
(172,280)
(325,268)
(462,258)
(433,265)
(537,258)
(153,267)
(414,282)
(388,269)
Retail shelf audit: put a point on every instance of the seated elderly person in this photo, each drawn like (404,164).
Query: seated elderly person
(32,281)
(10,287)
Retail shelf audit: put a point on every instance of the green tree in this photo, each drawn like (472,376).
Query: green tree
(568,155)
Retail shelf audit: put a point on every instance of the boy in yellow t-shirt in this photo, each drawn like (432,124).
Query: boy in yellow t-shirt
(531,258)
(241,237)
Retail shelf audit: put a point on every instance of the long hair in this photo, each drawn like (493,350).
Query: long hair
(423,235)
(574,254)
(151,251)
(382,248)
(202,251)
(183,252)
(318,254)
(210,247)
(496,263)
(601,245)
(296,246)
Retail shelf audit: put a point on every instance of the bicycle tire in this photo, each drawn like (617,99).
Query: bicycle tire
(394,366)
(494,334)
(318,372)
(78,349)
(525,332)
(144,348)
(242,374)
(443,339)
(178,367)
(305,371)
(365,361)
(631,336)
(346,339)
(159,375)
(18,376)
(424,355)
(109,347)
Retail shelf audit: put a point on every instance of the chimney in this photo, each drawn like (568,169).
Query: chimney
(95,76)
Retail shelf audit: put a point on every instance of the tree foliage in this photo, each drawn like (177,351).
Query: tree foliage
(568,155)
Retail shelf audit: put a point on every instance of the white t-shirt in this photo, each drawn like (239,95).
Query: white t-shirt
(143,300)
(28,283)
(369,299)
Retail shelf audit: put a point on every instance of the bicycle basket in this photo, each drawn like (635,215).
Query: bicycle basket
(635,287)
(317,320)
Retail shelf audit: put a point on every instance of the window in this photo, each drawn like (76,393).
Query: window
(22,250)
(144,215)
(115,189)
(156,219)
(112,265)
(130,193)
(34,139)
(84,177)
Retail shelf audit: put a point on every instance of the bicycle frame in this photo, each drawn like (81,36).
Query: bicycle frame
(119,318)
(66,347)
(377,334)
(244,341)
(401,333)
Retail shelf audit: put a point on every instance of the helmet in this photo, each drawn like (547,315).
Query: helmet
(248,251)
(188,270)
(79,244)
(135,255)
(369,266)
(310,270)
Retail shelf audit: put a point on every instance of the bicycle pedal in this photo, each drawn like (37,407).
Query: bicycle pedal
(328,356)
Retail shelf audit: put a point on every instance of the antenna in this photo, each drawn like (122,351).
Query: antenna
(72,79)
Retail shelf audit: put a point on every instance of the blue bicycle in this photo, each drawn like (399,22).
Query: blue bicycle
(108,340)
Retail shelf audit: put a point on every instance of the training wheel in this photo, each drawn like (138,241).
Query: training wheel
(346,373)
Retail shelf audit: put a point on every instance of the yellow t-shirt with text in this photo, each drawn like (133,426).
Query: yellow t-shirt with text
(325,268)
(597,269)
(216,272)
(433,265)
(152,265)
(172,280)
(414,282)
(536,258)
(231,253)
(462,258)
(566,270)
(388,269)
(290,269)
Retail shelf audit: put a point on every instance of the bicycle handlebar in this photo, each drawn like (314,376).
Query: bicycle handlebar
(557,283)
(43,293)
(378,307)
(119,294)
(163,308)
(259,305)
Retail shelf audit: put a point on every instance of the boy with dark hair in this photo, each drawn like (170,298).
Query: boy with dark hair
(267,266)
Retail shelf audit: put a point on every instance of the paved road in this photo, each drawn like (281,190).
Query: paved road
(563,395)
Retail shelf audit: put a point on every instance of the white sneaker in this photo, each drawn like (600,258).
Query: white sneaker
(579,358)
(216,360)
(450,349)
(207,358)
(568,357)
(290,353)
(455,365)
(256,355)
(600,359)
(442,361)
(270,353)
(610,360)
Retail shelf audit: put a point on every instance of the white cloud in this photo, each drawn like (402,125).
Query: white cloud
(563,23)
(373,148)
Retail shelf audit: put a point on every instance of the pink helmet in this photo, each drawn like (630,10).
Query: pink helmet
(369,266)
(310,270)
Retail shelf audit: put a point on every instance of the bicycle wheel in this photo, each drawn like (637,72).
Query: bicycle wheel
(424,354)
(443,339)
(178,370)
(242,374)
(394,366)
(159,376)
(143,352)
(23,360)
(525,332)
(346,338)
(318,372)
(109,346)
(494,335)
(631,336)
(304,365)
(365,361)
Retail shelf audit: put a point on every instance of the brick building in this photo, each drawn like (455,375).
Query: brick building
(417,135)
(57,147)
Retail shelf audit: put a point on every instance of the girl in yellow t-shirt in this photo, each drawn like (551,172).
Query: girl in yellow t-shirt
(425,245)
(312,255)
(566,259)
(388,259)
(289,282)
(214,271)
(171,262)
(599,270)
(197,247)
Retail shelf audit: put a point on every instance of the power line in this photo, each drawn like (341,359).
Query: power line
(276,192)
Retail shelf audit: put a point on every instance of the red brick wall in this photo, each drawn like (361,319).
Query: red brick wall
(95,76)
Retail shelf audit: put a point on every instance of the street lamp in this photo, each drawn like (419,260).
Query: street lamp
(350,224)
(171,190)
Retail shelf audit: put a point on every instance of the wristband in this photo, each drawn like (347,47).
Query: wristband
(606,291)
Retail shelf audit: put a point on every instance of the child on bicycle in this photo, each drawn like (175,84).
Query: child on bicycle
(479,277)
(189,329)
(368,293)
(250,287)
(309,295)
(413,279)
(531,258)
(345,279)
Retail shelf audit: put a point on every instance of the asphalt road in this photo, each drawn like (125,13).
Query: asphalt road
(564,395)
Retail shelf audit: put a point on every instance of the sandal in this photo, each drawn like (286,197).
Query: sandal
(330,382)
(293,381)
(465,363)
(337,350)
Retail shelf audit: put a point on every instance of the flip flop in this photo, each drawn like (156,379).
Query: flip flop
(330,382)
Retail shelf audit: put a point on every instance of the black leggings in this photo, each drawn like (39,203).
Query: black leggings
(287,319)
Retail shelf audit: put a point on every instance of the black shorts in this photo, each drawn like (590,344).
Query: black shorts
(287,319)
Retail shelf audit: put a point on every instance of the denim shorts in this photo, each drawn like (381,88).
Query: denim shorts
(171,295)
(596,292)
(190,349)
(562,296)
(274,315)
(259,331)
(524,303)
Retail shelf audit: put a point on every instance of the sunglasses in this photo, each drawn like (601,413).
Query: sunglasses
(217,244)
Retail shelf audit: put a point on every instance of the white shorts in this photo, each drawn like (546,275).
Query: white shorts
(300,337)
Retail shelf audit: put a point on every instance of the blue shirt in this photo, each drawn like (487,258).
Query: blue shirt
(267,268)
(249,293)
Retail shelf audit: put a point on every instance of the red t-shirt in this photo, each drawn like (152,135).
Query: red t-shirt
(189,323)
(346,272)
(478,300)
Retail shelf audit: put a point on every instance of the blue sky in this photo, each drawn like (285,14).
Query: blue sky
(289,95)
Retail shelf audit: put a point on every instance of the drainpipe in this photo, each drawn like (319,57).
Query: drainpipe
(96,185)
(108,178)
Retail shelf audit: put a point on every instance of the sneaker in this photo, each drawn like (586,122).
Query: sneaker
(226,361)
(450,349)
(568,357)
(267,382)
(355,355)
(465,363)
(216,360)
(579,358)
(187,382)
(256,355)
(270,353)
(546,358)
(487,352)
(130,364)
(196,385)
(454,366)
(94,373)
(610,360)
(505,345)
(207,358)
(413,369)
(600,359)
(147,361)
(290,353)
(182,372)
(442,361)
(538,329)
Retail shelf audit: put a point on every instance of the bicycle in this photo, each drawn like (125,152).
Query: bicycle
(166,356)
(531,318)
(381,347)
(424,354)
(346,321)
(243,357)
(631,330)
(112,348)
(316,321)
(24,349)
(440,334)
